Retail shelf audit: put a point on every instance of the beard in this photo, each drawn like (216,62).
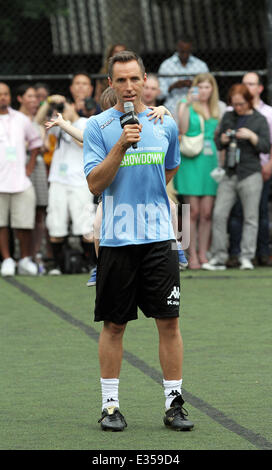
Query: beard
(3,108)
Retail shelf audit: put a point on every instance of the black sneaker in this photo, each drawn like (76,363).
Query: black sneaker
(233,262)
(175,417)
(264,261)
(112,420)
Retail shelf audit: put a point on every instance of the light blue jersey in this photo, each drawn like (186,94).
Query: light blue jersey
(135,206)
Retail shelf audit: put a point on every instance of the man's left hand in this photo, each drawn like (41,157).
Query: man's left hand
(180,84)
(30,168)
(267,170)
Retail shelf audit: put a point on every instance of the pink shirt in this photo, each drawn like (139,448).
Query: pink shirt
(17,134)
(266,111)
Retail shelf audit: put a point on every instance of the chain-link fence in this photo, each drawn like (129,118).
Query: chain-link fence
(49,41)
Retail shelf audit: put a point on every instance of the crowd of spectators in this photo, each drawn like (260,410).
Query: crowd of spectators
(44,195)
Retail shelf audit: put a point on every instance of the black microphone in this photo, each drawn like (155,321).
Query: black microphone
(130,117)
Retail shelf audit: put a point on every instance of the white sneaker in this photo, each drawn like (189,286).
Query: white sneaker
(213,265)
(8,267)
(246,264)
(54,272)
(26,266)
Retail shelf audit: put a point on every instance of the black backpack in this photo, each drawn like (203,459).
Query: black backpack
(74,262)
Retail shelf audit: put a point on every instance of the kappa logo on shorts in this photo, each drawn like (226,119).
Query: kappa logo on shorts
(175,294)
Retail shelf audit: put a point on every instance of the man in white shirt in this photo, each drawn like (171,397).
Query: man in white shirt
(184,66)
(17,195)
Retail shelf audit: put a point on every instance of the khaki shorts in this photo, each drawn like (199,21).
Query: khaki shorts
(67,204)
(18,209)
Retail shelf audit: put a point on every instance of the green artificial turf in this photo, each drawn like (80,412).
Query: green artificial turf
(50,390)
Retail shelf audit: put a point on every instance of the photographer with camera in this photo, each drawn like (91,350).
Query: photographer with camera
(81,90)
(262,257)
(244,134)
(52,103)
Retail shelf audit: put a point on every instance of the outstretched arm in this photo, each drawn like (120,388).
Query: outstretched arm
(66,126)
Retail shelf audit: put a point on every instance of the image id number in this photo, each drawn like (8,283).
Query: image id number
(144,459)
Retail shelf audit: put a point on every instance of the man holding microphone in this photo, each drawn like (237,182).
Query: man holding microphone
(138,259)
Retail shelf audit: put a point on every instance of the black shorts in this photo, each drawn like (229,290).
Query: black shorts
(132,276)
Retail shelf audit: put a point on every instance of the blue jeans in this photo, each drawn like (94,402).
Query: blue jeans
(235,225)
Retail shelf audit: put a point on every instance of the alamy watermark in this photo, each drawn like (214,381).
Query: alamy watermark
(142,222)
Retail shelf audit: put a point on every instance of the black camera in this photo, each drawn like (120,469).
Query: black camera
(231,133)
(89,103)
(58,107)
(233,152)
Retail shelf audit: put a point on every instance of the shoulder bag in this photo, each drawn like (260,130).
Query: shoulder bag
(192,146)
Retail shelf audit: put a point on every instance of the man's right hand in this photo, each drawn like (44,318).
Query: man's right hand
(130,135)
(56,99)
(180,84)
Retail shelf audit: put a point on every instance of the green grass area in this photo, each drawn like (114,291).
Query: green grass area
(50,390)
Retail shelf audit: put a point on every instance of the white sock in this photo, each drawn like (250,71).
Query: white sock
(171,388)
(109,389)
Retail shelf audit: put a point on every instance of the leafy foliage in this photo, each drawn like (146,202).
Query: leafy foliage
(15,12)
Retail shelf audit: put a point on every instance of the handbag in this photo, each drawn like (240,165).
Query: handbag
(192,146)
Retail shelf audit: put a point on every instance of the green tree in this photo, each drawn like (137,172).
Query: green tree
(124,23)
(14,12)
